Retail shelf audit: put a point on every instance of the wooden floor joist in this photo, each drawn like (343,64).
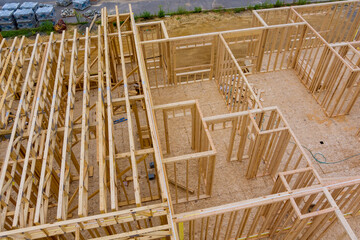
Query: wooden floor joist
(72,103)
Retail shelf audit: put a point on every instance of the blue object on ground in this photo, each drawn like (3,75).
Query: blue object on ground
(120,120)
(152,165)
(151,176)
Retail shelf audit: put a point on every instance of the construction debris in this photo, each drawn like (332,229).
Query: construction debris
(67,12)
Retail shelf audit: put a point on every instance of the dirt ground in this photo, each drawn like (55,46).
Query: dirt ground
(206,22)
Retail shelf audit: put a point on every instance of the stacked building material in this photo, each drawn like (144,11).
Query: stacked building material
(25,18)
(45,5)
(30,5)
(11,6)
(7,21)
(46,13)
(26,15)
(81,4)
(63,3)
(91,13)
(6,16)
(23,25)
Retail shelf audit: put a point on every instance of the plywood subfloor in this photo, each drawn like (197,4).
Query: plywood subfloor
(311,126)
(230,184)
(332,138)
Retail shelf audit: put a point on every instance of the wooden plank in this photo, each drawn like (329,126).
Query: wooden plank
(340,215)
(84,147)
(129,118)
(110,124)
(43,80)
(66,148)
(50,142)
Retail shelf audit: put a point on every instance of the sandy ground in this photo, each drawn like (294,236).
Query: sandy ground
(207,22)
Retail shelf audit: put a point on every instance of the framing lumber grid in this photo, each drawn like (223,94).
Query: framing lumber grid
(46,173)
(270,46)
(44,179)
